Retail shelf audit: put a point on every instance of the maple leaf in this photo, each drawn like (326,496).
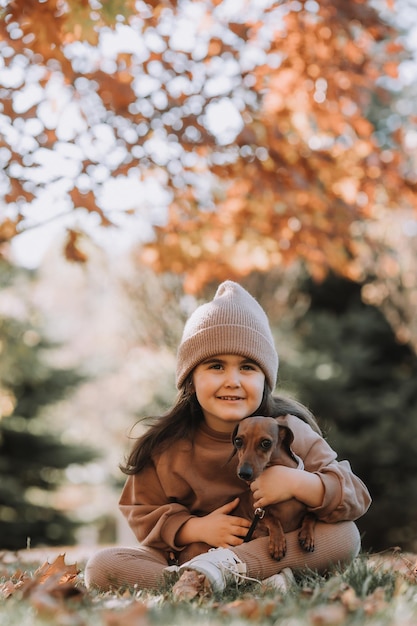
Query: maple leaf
(58,571)
(48,587)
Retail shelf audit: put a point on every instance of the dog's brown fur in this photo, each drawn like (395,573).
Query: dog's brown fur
(260,442)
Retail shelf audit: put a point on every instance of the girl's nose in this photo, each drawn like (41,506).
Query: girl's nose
(232,378)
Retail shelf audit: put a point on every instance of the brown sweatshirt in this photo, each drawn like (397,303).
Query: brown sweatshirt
(195,478)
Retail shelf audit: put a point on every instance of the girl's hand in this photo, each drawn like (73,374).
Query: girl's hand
(219,529)
(222,530)
(275,484)
(279,483)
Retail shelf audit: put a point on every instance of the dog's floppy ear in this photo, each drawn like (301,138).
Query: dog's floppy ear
(285,434)
(282,420)
(285,437)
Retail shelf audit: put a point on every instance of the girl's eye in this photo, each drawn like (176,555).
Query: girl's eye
(266,444)
(215,366)
(248,366)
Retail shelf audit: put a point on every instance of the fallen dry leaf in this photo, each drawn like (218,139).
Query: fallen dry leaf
(350,600)
(47,586)
(59,566)
(395,560)
(329,615)
(376,602)
(135,614)
(7,589)
(250,608)
(411,571)
(16,582)
(190,585)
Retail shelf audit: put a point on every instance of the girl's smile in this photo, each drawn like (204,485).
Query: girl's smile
(230,398)
(228,388)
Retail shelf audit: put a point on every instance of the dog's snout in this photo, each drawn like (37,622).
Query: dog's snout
(245,472)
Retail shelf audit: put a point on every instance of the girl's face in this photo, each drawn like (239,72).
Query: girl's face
(228,388)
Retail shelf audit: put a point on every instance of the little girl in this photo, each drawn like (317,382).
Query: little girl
(182,497)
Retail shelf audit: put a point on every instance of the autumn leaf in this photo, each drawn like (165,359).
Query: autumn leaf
(8,229)
(135,614)
(328,615)
(16,582)
(88,201)
(190,585)
(72,248)
(48,587)
(376,602)
(391,70)
(350,600)
(249,608)
(397,561)
(57,570)
(18,192)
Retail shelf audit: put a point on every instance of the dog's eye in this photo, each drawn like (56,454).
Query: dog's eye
(238,442)
(266,444)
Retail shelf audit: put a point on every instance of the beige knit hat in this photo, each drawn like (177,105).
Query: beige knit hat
(232,323)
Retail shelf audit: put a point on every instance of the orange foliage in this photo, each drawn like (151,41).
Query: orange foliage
(304,170)
(72,248)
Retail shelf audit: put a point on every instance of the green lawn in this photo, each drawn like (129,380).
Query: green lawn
(373,590)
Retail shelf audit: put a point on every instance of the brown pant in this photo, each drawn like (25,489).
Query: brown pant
(143,567)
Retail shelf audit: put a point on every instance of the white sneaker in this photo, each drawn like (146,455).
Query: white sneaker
(219,565)
(280,582)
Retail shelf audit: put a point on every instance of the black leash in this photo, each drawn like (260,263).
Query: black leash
(259,514)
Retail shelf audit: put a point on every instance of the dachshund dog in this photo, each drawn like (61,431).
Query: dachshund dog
(259,443)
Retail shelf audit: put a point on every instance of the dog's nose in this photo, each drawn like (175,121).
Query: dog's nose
(245,472)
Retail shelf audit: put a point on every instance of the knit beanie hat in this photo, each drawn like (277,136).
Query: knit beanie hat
(232,323)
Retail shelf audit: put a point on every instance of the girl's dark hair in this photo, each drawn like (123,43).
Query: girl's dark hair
(183,420)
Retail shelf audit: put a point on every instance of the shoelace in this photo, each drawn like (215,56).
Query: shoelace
(240,575)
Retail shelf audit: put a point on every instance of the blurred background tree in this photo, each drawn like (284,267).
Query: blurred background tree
(270,130)
(231,140)
(360,381)
(33,456)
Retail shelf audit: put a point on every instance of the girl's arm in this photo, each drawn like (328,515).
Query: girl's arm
(165,525)
(328,487)
(153,519)
(279,483)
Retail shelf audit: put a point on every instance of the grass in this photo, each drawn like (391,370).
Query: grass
(370,591)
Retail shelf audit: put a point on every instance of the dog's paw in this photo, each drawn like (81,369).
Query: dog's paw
(278,550)
(306,542)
